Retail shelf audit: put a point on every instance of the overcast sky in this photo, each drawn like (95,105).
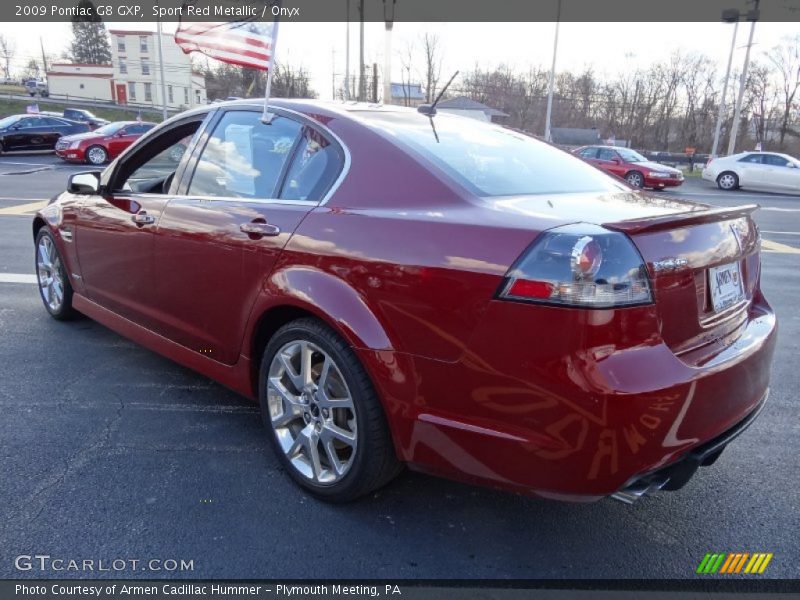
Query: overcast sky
(607,47)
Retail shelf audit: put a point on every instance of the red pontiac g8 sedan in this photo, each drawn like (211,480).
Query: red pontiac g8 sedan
(440,292)
(104,143)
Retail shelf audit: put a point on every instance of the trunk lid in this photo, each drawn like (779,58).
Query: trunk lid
(704,266)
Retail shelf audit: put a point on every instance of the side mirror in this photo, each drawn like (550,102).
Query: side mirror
(86,183)
(791,165)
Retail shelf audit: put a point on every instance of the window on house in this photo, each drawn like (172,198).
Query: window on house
(145,68)
(197,96)
(169,94)
(143,43)
(120,44)
(123,66)
(186,95)
(148,92)
(131,91)
(81,86)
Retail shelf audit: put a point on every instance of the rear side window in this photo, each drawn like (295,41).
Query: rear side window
(489,160)
(314,168)
(244,158)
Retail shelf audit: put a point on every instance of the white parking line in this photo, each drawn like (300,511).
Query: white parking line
(17,278)
(26,164)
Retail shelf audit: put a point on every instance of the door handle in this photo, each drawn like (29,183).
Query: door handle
(142,218)
(259,228)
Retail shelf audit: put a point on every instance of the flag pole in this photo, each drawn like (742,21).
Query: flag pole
(266,116)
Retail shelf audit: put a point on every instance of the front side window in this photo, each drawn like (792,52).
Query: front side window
(244,158)
(152,167)
(631,156)
(775,161)
(606,154)
(588,153)
(752,159)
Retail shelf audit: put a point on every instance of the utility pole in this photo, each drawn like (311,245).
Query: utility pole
(161,72)
(333,73)
(347,53)
(552,82)
(44,57)
(752,16)
(722,105)
(362,83)
(388,16)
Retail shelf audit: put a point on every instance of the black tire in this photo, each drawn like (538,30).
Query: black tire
(635,179)
(725,177)
(99,151)
(63,311)
(374,463)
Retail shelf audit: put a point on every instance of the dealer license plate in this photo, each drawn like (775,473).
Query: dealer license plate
(725,282)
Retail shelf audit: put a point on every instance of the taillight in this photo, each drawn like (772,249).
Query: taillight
(709,161)
(579,265)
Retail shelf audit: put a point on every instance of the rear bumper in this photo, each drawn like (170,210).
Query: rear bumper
(523,410)
(676,475)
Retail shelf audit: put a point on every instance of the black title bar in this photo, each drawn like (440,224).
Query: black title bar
(597,11)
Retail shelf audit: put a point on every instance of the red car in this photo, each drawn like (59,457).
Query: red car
(103,144)
(631,166)
(441,292)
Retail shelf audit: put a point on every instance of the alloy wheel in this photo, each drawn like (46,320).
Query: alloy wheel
(49,274)
(96,155)
(312,413)
(635,179)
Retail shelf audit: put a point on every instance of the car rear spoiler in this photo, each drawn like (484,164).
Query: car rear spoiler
(659,223)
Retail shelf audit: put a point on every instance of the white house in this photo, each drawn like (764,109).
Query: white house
(133,77)
(134,56)
(80,81)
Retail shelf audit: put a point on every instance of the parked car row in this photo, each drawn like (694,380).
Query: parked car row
(76,135)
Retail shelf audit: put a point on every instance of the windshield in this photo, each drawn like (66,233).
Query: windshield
(489,160)
(630,155)
(109,129)
(9,121)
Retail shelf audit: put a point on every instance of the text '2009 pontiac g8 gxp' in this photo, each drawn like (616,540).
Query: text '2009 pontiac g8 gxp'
(398,288)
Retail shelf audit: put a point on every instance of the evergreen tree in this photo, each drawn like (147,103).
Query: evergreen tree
(90,43)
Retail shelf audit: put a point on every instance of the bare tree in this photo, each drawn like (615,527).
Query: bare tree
(406,65)
(7,53)
(432,61)
(786,59)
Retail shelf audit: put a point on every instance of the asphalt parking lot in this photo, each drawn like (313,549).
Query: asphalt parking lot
(109,451)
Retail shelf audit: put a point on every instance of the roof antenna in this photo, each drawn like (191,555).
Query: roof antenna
(430,109)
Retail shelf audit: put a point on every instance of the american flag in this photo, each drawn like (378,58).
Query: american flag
(244,43)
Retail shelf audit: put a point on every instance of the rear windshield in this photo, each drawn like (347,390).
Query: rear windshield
(490,160)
